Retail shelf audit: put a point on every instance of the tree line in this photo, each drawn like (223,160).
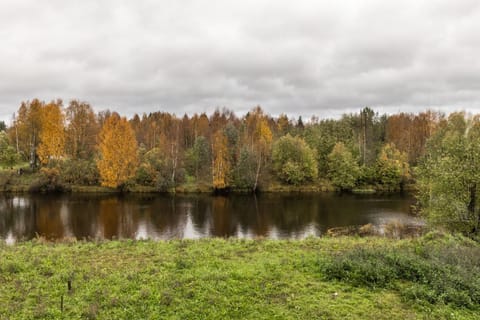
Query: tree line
(72,143)
(222,150)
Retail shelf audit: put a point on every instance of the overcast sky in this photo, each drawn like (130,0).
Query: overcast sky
(295,57)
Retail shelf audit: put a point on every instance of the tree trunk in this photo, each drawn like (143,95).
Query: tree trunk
(472,206)
(16,132)
(175,155)
(365,138)
(257,173)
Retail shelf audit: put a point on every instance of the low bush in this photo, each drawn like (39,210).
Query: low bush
(79,172)
(6,179)
(436,271)
(48,181)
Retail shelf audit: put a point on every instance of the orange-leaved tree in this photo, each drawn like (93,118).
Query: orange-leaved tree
(118,151)
(52,133)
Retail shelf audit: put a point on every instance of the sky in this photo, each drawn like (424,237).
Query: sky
(306,58)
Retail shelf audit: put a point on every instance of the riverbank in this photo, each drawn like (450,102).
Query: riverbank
(12,182)
(435,276)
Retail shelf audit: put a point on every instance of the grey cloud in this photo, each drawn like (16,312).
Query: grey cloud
(298,58)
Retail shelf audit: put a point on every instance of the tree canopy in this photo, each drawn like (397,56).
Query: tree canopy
(293,160)
(222,150)
(449,175)
(392,167)
(343,169)
(118,151)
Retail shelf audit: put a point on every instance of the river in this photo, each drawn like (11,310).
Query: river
(140,216)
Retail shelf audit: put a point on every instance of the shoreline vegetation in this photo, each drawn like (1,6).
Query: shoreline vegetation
(434,276)
(71,147)
(23,180)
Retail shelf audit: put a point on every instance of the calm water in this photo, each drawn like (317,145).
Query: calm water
(22,217)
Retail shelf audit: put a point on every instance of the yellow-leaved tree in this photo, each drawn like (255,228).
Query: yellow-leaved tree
(52,133)
(118,151)
(259,137)
(220,163)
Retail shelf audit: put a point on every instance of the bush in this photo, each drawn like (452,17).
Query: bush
(367,176)
(6,179)
(48,181)
(163,182)
(81,172)
(145,175)
(445,272)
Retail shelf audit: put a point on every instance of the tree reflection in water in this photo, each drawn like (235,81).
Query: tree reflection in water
(86,216)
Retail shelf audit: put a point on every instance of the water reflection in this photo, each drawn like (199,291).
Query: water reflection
(191,216)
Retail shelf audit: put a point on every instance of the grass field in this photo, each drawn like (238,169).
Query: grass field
(316,278)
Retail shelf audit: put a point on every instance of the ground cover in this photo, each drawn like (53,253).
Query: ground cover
(432,277)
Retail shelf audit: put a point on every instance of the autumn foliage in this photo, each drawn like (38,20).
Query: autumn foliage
(52,133)
(118,151)
(220,165)
(220,151)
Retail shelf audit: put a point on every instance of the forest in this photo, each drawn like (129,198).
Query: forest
(222,150)
(437,155)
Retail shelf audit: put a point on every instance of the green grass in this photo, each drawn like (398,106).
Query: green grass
(220,279)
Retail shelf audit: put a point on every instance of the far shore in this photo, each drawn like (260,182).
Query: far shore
(203,189)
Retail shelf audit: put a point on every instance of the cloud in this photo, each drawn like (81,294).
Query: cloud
(299,58)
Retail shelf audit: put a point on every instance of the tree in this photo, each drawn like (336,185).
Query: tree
(258,137)
(82,130)
(284,125)
(220,163)
(371,135)
(343,169)
(8,155)
(392,167)
(449,174)
(197,159)
(118,151)
(293,160)
(52,133)
(409,132)
(26,129)
(322,136)
(149,166)
(232,135)
(262,146)
(244,172)
(155,170)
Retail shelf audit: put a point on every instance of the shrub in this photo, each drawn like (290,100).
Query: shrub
(434,272)
(145,175)
(48,181)
(82,172)
(6,179)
